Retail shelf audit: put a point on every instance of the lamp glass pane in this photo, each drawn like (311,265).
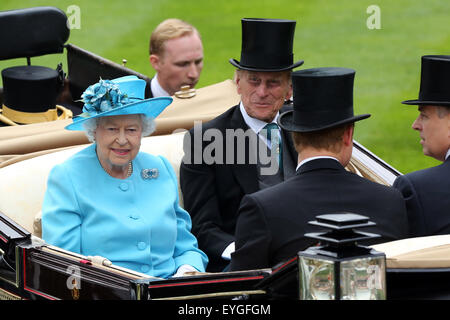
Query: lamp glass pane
(363,279)
(316,279)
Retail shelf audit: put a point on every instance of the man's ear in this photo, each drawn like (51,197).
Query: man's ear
(348,135)
(289,94)
(155,61)
(237,80)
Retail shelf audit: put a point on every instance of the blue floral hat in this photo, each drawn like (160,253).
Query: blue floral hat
(121,96)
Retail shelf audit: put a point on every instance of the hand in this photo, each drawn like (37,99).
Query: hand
(184,269)
(226,254)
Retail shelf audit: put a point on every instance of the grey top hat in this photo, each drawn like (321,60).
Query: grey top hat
(267,45)
(323,98)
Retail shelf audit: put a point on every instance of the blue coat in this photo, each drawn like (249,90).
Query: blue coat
(136,223)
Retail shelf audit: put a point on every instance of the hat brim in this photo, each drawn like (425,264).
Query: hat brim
(150,108)
(286,121)
(426,102)
(236,63)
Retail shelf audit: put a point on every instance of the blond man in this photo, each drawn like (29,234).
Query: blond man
(176,54)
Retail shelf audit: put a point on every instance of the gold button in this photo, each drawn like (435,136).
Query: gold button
(186,92)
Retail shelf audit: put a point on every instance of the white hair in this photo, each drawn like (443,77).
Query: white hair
(90,125)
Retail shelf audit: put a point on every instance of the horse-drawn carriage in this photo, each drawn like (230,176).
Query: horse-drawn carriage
(32,269)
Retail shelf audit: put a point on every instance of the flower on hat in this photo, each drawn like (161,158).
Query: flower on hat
(102,96)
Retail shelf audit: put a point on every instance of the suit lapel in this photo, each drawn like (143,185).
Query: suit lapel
(245,174)
(148,89)
(290,156)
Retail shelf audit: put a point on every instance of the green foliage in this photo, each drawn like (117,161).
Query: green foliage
(328,33)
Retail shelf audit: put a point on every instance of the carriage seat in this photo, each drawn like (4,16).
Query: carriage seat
(23,184)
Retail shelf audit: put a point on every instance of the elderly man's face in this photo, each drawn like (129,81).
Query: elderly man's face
(118,141)
(180,64)
(263,93)
(434,131)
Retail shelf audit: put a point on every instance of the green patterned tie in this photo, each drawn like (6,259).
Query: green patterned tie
(276,144)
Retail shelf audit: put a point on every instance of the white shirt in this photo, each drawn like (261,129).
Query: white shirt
(314,158)
(257,125)
(157,90)
(448,154)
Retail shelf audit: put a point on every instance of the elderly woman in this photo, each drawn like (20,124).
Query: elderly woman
(111,200)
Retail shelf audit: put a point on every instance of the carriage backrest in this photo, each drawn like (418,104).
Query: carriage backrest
(86,68)
(32,32)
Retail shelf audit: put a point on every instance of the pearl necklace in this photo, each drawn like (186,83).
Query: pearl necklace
(130,169)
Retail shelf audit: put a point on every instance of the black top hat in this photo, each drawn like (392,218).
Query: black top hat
(434,81)
(323,98)
(30,89)
(267,45)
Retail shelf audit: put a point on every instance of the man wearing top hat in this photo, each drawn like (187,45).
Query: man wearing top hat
(212,190)
(427,191)
(273,221)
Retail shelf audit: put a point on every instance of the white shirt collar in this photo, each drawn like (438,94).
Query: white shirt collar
(448,154)
(255,124)
(157,90)
(314,158)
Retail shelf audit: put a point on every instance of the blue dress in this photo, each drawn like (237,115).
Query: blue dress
(136,223)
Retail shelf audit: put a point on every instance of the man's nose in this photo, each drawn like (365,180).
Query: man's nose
(194,71)
(416,124)
(262,90)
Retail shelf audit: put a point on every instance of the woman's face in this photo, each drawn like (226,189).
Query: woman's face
(118,141)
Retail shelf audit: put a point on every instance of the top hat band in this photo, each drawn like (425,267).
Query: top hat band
(35,117)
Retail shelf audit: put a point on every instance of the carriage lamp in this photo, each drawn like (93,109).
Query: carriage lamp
(340,268)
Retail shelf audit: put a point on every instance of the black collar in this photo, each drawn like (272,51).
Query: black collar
(321,163)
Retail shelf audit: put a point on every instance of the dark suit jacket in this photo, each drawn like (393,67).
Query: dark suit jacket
(273,221)
(148,90)
(427,196)
(212,192)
